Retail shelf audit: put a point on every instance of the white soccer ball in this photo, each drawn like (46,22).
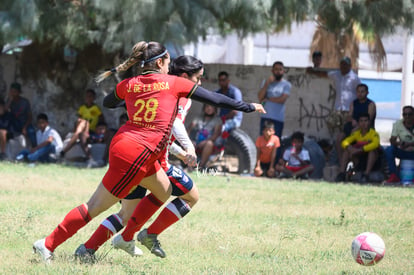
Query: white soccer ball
(368,248)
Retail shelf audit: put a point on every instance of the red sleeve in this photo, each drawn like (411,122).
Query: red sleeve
(184,87)
(122,88)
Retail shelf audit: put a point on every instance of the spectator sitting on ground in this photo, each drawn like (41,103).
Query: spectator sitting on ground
(98,136)
(401,142)
(21,112)
(89,116)
(329,152)
(204,131)
(48,142)
(231,118)
(5,128)
(296,159)
(266,145)
(361,105)
(362,143)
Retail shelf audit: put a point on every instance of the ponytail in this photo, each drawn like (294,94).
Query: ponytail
(142,52)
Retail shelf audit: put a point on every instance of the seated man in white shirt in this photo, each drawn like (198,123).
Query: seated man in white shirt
(48,142)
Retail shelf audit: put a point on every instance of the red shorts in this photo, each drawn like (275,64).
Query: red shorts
(129,163)
(295,169)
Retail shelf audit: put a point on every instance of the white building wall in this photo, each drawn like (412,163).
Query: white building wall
(291,47)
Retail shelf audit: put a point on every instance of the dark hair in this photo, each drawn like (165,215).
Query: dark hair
(2,102)
(185,64)
(316,54)
(363,115)
(205,105)
(324,143)
(363,85)
(91,91)
(101,123)
(346,60)
(16,86)
(278,63)
(268,125)
(223,73)
(42,116)
(298,136)
(408,107)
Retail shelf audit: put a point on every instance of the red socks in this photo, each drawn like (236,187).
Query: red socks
(172,213)
(109,227)
(144,210)
(73,221)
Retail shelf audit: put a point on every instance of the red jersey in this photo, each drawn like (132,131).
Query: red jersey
(151,101)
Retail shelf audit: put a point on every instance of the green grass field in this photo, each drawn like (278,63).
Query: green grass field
(241,225)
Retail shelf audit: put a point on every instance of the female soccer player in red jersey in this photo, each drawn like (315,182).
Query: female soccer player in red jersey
(151,99)
(182,185)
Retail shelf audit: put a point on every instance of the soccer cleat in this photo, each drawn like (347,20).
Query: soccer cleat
(393,179)
(150,241)
(85,255)
(39,247)
(129,247)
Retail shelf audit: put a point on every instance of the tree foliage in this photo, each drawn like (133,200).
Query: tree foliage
(342,25)
(117,25)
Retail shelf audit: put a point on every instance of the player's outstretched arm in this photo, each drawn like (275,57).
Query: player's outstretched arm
(222,101)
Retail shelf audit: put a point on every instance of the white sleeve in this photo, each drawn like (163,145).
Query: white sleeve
(180,134)
(287,153)
(305,155)
(176,150)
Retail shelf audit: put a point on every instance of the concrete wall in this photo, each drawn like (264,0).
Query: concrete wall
(46,97)
(310,103)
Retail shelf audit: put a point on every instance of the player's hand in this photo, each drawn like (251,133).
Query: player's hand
(259,108)
(190,159)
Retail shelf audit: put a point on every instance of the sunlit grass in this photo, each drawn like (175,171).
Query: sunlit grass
(241,225)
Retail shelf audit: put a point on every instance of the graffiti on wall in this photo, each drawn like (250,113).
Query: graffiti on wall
(308,108)
(243,72)
(299,80)
(317,114)
(311,104)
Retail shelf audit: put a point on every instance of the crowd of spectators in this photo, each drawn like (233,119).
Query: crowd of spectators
(45,144)
(352,155)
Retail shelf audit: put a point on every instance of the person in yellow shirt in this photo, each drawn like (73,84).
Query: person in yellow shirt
(362,143)
(90,111)
(89,115)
